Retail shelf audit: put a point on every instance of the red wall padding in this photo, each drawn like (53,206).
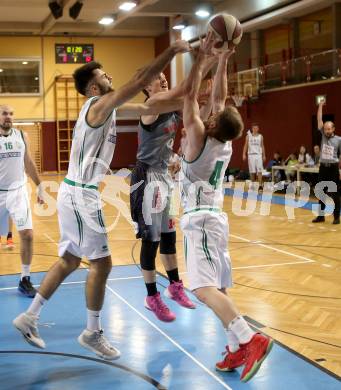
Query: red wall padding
(285,118)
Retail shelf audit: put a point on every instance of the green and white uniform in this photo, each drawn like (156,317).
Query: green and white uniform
(204,225)
(255,153)
(79,206)
(14,199)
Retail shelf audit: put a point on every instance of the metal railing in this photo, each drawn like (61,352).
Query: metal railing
(314,67)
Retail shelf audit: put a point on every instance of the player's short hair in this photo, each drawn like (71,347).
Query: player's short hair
(229,124)
(84,75)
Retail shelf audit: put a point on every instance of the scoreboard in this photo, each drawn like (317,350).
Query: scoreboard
(74,54)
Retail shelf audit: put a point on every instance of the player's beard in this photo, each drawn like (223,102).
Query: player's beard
(6,126)
(105,89)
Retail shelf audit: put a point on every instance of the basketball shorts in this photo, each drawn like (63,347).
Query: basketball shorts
(81,223)
(255,163)
(205,247)
(157,204)
(15,204)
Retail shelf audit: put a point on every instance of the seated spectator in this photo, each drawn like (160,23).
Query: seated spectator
(291,161)
(316,156)
(276,160)
(279,174)
(304,158)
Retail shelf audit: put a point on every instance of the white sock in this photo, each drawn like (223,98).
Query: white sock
(25,270)
(36,305)
(241,330)
(94,320)
(232,341)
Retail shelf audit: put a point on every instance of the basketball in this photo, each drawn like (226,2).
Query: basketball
(227,29)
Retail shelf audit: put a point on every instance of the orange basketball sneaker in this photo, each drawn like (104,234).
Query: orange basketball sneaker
(10,243)
(256,350)
(231,360)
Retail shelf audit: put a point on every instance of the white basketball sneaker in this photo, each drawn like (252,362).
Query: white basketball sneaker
(97,343)
(27,324)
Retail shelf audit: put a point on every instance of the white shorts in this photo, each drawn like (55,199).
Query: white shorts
(81,223)
(205,247)
(15,204)
(255,163)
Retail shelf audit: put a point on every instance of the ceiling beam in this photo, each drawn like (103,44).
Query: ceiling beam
(29,27)
(122,16)
(162,14)
(50,21)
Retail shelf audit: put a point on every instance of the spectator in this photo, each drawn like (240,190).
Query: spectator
(316,156)
(304,158)
(291,162)
(279,174)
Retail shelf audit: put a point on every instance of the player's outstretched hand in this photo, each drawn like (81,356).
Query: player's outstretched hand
(181,46)
(206,45)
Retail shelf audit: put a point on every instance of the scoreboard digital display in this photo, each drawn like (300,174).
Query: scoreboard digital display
(73,53)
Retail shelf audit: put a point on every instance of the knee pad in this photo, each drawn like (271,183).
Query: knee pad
(148,254)
(167,243)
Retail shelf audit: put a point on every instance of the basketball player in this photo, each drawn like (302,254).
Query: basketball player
(329,164)
(254,148)
(81,222)
(15,159)
(155,151)
(205,227)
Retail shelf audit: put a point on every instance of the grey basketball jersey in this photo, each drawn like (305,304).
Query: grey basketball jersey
(155,141)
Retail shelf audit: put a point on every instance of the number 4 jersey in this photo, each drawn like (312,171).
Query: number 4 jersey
(12,166)
(202,178)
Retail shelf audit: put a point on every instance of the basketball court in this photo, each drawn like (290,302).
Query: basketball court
(286,269)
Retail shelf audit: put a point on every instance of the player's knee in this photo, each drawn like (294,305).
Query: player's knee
(167,243)
(148,254)
(27,235)
(70,261)
(101,266)
(201,294)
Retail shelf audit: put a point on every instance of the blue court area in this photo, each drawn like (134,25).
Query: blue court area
(179,355)
(289,200)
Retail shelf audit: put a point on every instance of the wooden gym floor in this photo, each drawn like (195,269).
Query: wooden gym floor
(287,273)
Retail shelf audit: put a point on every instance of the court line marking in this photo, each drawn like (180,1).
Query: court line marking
(210,373)
(157,328)
(76,282)
(307,260)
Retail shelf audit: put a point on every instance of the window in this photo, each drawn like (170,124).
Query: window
(20,76)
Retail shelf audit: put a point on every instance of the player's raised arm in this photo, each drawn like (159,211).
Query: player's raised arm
(191,114)
(101,109)
(219,91)
(150,107)
(320,114)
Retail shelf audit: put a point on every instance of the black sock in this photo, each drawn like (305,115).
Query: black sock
(9,235)
(151,288)
(173,275)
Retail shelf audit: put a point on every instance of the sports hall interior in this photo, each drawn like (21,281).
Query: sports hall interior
(286,270)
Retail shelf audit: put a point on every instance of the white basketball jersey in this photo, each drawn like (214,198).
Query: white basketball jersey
(92,148)
(12,165)
(202,179)
(255,144)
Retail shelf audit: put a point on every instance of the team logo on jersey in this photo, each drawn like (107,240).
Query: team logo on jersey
(171,128)
(112,138)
